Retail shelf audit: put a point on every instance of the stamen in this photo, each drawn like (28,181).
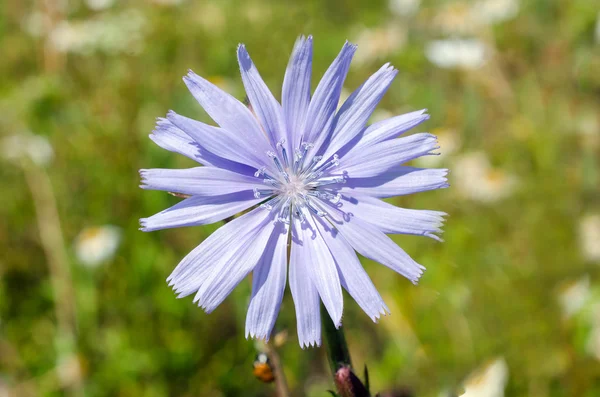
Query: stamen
(330,180)
(258,193)
(280,146)
(313,208)
(335,198)
(284,214)
(298,212)
(278,165)
(266,206)
(335,161)
(306,147)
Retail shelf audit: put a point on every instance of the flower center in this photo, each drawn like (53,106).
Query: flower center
(299,185)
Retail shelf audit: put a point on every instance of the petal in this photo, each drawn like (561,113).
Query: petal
(171,138)
(353,277)
(295,96)
(268,286)
(391,128)
(397,182)
(220,142)
(321,111)
(195,268)
(228,112)
(265,106)
(372,243)
(318,259)
(305,295)
(379,158)
(234,262)
(393,220)
(200,210)
(356,110)
(202,181)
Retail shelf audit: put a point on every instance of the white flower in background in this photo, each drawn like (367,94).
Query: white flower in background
(111,34)
(35,24)
(449,141)
(573,296)
(404,7)
(98,5)
(95,245)
(488,381)
(476,180)
(490,12)
(381,42)
(589,237)
(34,147)
(457,53)
(464,18)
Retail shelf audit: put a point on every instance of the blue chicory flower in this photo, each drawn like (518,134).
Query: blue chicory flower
(309,176)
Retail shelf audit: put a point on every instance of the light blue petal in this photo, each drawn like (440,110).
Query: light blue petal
(196,267)
(398,181)
(353,277)
(235,262)
(295,96)
(200,210)
(378,159)
(372,243)
(394,220)
(268,286)
(305,295)
(221,142)
(228,112)
(356,110)
(322,270)
(265,106)
(391,128)
(201,181)
(321,111)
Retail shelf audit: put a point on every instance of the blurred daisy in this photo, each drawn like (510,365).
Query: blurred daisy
(488,381)
(494,11)
(589,237)
(98,244)
(305,173)
(404,7)
(476,180)
(380,42)
(111,34)
(98,5)
(28,146)
(573,296)
(457,53)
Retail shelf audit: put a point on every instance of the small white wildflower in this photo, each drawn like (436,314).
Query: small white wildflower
(488,381)
(96,245)
(380,42)
(98,5)
(404,7)
(573,296)
(457,53)
(589,237)
(494,11)
(476,180)
(35,147)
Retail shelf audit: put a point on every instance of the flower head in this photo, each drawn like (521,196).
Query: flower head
(311,177)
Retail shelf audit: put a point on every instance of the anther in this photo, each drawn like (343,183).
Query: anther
(330,180)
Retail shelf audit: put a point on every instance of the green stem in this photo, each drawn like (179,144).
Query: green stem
(335,342)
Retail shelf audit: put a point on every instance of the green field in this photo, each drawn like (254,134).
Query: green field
(513,89)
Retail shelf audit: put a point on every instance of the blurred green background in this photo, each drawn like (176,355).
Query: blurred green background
(510,304)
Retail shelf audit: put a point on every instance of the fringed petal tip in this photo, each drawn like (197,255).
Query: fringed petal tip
(383,312)
(258,336)
(310,343)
